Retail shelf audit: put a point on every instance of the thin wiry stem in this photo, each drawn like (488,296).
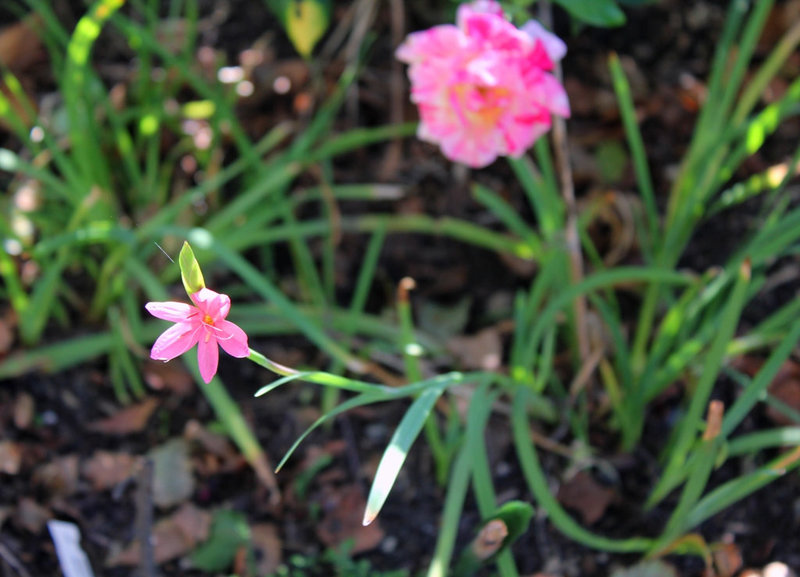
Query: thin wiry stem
(568,193)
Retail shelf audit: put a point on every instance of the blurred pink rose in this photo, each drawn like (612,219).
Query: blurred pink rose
(483,87)
(203,325)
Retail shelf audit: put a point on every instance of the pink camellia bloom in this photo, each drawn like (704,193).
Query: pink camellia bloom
(484,87)
(203,324)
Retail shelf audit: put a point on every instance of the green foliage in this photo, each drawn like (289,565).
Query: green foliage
(498,533)
(112,193)
(229,532)
(605,13)
(332,563)
(601,13)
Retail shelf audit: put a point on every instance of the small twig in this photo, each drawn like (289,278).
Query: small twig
(364,17)
(8,556)
(144,519)
(568,193)
(394,151)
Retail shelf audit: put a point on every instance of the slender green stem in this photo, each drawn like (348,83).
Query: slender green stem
(537,482)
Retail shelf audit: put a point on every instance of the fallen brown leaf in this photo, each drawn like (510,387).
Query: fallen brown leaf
(586,496)
(24,409)
(784,387)
(8,323)
(482,351)
(727,559)
(266,541)
(343,512)
(129,420)
(172,537)
(172,377)
(31,516)
(105,469)
(20,45)
(59,476)
(10,457)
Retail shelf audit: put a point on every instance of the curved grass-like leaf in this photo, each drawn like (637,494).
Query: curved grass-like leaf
(395,454)
(359,401)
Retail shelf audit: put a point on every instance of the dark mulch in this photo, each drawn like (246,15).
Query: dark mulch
(667,50)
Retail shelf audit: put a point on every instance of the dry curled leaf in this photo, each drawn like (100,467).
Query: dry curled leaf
(8,323)
(31,516)
(21,45)
(172,537)
(586,496)
(727,559)
(785,386)
(10,457)
(59,476)
(482,351)
(172,377)
(129,420)
(105,469)
(24,409)
(344,510)
(268,545)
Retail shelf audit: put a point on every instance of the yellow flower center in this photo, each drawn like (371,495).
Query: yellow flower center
(482,105)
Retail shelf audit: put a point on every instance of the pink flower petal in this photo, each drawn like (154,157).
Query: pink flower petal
(207,355)
(438,42)
(554,96)
(170,311)
(232,339)
(213,304)
(553,45)
(175,341)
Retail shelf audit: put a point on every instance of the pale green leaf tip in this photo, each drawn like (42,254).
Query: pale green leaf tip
(191,275)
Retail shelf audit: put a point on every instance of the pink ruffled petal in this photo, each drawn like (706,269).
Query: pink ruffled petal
(170,311)
(175,341)
(207,355)
(440,42)
(478,7)
(232,339)
(554,96)
(483,88)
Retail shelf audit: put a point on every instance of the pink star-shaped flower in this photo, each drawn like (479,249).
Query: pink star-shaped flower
(204,325)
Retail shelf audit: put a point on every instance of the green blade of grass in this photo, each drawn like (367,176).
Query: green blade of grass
(445,226)
(396,452)
(537,482)
(600,280)
(477,415)
(482,485)
(357,401)
(758,386)
(84,137)
(508,216)
(691,422)
(743,486)
(541,194)
(622,89)
(751,443)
